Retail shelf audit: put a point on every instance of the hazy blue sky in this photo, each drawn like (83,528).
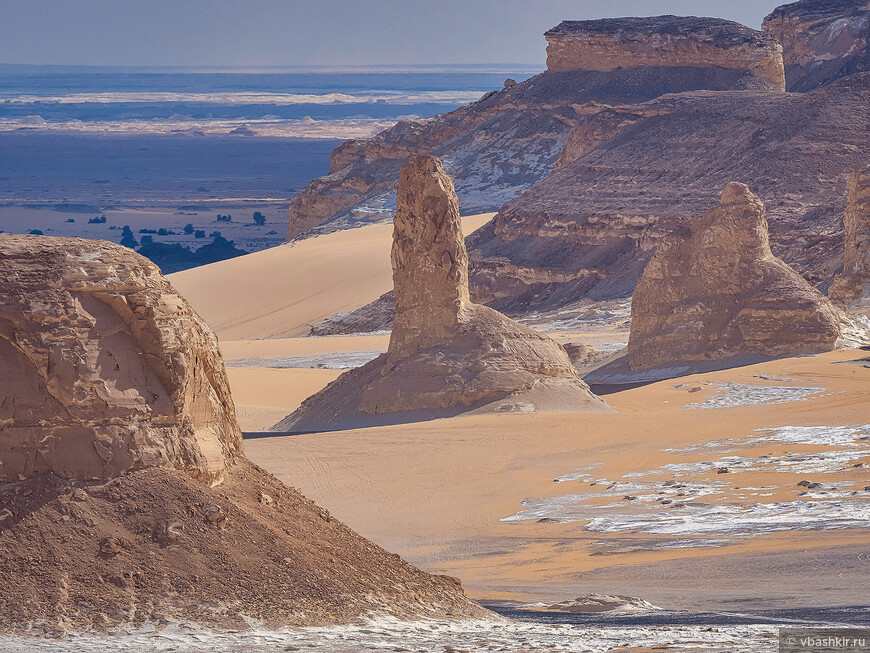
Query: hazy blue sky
(311,32)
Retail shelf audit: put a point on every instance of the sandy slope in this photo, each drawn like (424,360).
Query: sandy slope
(435,492)
(283,291)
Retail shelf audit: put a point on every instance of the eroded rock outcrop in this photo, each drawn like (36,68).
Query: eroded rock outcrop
(446,355)
(715,291)
(115,425)
(822,40)
(502,144)
(665,41)
(851,289)
(590,227)
(106,369)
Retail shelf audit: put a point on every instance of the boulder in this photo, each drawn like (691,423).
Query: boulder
(106,368)
(851,288)
(822,40)
(714,291)
(446,355)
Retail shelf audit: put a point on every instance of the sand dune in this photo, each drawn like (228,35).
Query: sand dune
(283,291)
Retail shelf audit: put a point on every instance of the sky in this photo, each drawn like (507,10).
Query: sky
(312,32)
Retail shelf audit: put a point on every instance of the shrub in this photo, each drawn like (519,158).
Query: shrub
(127,239)
(147,240)
(36,232)
(147,231)
(199,233)
(259,218)
(188,228)
(100,219)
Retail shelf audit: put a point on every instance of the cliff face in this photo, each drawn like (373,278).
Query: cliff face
(665,41)
(715,291)
(591,226)
(106,369)
(822,40)
(851,288)
(510,139)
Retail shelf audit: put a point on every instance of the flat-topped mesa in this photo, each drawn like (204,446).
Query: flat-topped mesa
(822,40)
(446,355)
(430,262)
(106,369)
(665,42)
(851,289)
(714,291)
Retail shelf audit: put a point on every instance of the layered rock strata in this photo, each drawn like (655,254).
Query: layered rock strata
(500,145)
(851,288)
(822,40)
(446,354)
(715,291)
(664,41)
(116,426)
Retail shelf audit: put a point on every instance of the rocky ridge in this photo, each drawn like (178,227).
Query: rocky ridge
(446,355)
(715,291)
(822,40)
(499,146)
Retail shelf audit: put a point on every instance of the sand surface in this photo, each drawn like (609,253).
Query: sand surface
(639,508)
(283,291)
(475,496)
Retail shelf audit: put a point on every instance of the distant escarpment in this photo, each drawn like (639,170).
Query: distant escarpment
(499,146)
(822,40)
(447,355)
(666,41)
(125,496)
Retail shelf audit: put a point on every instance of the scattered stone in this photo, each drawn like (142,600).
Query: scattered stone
(79,495)
(723,470)
(629,498)
(111,546)
(822,40)
(265,499)
(804,483)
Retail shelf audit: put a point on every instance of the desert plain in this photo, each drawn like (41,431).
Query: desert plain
(742,489)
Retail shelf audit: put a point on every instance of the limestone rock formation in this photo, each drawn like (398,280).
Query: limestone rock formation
(851,289)
(822,40)
(446,354)
(664,41)
(590,227)
(106,369)
(116,423)
(715,291)
(500,145)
